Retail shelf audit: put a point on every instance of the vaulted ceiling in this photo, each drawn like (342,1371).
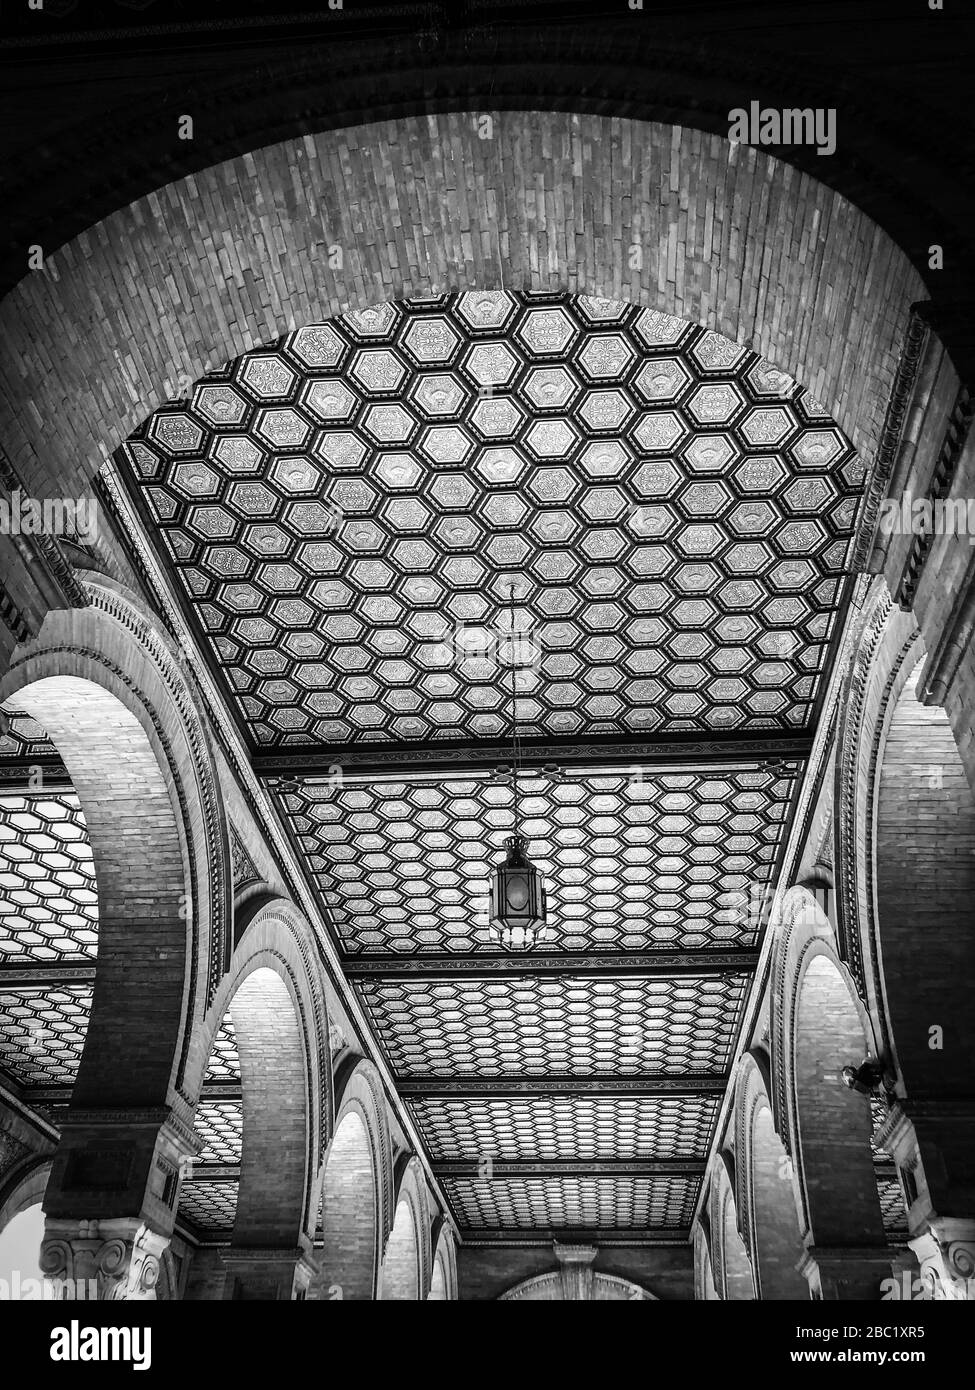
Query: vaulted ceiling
(350,516)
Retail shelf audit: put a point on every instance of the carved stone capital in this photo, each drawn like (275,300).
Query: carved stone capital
(111,1260)
(946,1256)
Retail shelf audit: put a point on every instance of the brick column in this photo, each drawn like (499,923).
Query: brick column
(575,1270)
(111,1200)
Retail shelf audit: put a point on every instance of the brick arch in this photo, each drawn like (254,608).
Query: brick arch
(273,995)
(23,1189)
(204,251)
(800,929)
(767,1193)
(833,1124)
(730,1261)
(356,1186)
(347,1266)
(443,1278)
(705,1288)
(886,646)
(925,888)
(106,687)
(405,1273)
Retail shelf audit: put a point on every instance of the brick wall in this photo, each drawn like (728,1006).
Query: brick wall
(228,259)
(925,891)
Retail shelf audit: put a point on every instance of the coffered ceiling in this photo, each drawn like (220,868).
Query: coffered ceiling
(375,527)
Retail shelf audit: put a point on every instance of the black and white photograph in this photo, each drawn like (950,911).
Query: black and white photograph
(487,678)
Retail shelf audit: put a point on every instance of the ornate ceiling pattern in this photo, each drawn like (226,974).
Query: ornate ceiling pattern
(350,516)
(387,526)
(632,860)
(348,512)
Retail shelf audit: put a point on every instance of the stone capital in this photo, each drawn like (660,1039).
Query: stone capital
(946,1257)
(119,1258)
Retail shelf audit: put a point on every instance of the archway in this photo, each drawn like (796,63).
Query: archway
(777,1238)
(400,1278)
(89,300)
(834,1129)
(267,1033)
(736,1266)
(142,885)
(349,1213)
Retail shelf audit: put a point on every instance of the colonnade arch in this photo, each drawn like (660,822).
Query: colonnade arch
(767,1192)
(126,725)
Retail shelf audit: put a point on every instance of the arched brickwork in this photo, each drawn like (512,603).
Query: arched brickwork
(443,1280)
(406,1263)
(925,884)
(347,1267)
(834,1123)
(273,995)
(732,1268)
(106,688)
(819,1025)
(356,1195)
(766,1175)
(24,1191)
(421,202)
(705,1290)
(401,1265)
(886,647)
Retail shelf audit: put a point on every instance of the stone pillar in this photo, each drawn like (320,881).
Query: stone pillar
(111,1200)
(837,1273)
(575,1270)
(267,1273)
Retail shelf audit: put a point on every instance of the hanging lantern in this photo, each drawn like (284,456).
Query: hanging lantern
(517,900)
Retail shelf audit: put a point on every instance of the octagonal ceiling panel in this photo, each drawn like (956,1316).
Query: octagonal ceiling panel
(632,861)
(565,1127)
(347,512)
(574,1203)
(565,1027)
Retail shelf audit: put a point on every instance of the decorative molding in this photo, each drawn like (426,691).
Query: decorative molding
(244,869)
(952,444)
(659,964)
(891,435)
(714,1084)
(380,761)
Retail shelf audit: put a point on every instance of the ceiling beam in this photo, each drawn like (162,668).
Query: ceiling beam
(484,965)
(600,1236)
(382,761)
(703,1084)
(54,972)
(34,776)
(570,1168)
